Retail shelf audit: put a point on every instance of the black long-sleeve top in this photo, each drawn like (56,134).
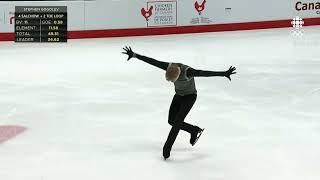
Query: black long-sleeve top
(185,84)
(190,72)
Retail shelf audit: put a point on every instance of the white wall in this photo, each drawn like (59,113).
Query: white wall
(119,14)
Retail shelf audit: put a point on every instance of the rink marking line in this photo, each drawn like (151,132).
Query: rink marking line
(10,131)
(315,91)
(11,112)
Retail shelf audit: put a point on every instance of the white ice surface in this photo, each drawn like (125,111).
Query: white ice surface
(91,115)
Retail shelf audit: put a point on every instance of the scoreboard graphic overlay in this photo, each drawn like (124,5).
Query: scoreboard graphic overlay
(41,24)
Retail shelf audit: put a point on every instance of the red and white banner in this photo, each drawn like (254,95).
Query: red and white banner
(202,17)
(160,13)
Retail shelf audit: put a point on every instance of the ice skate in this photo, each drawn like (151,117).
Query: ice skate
(195,137)
(166,153)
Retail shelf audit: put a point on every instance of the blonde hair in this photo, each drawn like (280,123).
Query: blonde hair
(173,72)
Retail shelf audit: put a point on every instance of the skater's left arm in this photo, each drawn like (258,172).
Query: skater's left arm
(200,73)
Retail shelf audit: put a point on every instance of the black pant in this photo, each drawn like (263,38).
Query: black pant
(179,108)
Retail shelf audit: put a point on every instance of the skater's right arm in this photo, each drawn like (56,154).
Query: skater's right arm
(154,62)
(159,64)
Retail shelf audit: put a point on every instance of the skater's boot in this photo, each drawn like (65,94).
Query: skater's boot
(195,135)
(166,152)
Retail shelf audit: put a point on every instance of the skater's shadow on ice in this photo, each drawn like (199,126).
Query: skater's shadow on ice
(180,157)
(178,154)
(156,147)
(182,149)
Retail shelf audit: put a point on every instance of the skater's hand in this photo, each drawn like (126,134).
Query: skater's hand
(129,52)
(230,71)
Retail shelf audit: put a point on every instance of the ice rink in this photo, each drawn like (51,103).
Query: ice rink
(85,113)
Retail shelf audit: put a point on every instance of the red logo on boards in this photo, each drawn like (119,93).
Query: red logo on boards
(11,19)
(200,7)
(148,13)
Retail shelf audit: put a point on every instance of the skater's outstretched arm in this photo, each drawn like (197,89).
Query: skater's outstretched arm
(200,73)
(131,54)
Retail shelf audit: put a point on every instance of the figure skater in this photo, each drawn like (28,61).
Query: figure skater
(185,95)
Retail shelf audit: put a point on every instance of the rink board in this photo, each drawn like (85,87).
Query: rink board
(87,19)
